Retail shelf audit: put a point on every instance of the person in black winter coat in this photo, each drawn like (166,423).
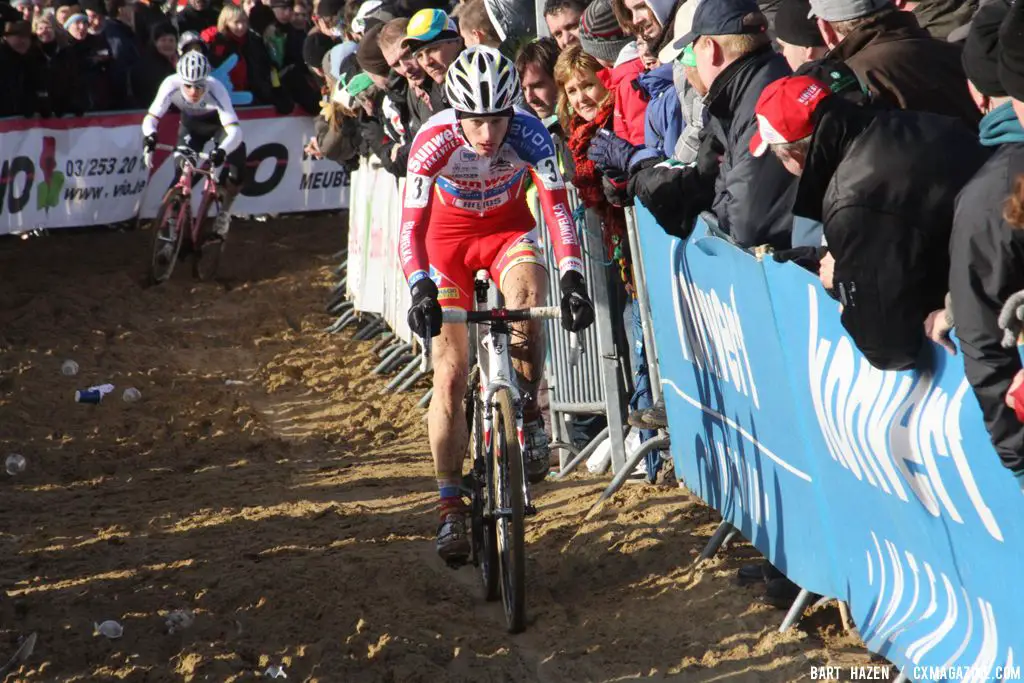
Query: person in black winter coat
(158,61)
(23,73)
(197,16)
(987,245)
(81,72)
(147,13)
(883,183)
(752,196)
(124,49)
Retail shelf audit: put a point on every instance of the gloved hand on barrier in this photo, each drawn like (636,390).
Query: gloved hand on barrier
(1011,319)
(218,156)
(149,142)
(577,309)
(610,152)
(425,312)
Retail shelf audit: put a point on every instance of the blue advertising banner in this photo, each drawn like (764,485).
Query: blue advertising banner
(879,488)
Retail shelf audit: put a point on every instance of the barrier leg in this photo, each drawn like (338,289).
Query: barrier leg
(620,477)
(724,531)
(425,401)
(728,539)
(335,327)
(383,342)
(369,330)
(392,355)
(407,384)
(340,268)
(340,306)
(339,254)
(796,610)
(350,318)
(610,365)
(402,375)
(583,455)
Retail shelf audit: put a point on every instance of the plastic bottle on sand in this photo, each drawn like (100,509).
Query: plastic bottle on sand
(15,464)
(131,395)
(69,368)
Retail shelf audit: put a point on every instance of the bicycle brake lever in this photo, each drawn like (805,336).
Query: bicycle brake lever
(425,357)
(575,349)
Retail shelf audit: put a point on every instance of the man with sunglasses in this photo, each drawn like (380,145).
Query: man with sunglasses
(206,113)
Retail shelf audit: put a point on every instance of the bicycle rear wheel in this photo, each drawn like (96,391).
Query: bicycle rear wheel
(207,255)
(170,226)
(509,484)
(485,541)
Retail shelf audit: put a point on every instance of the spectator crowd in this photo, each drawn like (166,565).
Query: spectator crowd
(877,143)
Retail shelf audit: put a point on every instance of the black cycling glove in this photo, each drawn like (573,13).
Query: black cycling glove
(218,156)
(425,312)
(577,309)
(149,142)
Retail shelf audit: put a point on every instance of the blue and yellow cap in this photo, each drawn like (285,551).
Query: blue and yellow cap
(429,26)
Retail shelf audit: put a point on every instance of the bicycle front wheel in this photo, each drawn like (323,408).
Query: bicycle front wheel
(509,484)
(485,541)
(207,255)
(170,226)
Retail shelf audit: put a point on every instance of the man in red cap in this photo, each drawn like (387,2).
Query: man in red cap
(883,183)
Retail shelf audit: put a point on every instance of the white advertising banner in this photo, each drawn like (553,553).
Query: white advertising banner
(63,173)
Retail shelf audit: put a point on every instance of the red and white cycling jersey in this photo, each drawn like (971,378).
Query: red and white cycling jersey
(449,188)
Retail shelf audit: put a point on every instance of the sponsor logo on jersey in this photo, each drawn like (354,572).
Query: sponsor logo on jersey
(566,227)
(433,149)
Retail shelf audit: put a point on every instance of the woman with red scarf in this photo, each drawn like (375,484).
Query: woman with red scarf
(585,106)
(252,73)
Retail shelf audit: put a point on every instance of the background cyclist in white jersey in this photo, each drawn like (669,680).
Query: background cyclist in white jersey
(206,114)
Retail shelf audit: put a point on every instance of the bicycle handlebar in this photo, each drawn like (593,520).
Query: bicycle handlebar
(513,315)
(188,152)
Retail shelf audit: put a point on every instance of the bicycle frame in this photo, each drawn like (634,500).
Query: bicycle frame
(496,372)
(209,193)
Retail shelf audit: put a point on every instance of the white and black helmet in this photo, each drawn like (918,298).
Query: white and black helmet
(481,81)
(194,68)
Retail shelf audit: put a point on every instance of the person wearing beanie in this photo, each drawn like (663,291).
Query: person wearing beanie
(328,18)
(371,59)
(435,41)
(23,72)
(315,47)
(986,274)
(602,38)
(81,72)
(899,62)
(797,34)
(158,61)
(120,38)
(65,10)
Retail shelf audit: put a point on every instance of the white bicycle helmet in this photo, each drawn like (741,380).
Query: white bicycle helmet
(194,68)
(481,82)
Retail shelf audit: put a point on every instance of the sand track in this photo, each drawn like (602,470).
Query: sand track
(294,513)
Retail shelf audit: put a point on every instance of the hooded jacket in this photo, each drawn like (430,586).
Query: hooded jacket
(987,266)
(883,183)
(630,101)
(663,121)
(904,67)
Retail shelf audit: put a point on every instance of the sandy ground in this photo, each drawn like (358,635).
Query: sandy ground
(293,514)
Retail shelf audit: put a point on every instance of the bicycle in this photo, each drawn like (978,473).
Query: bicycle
(496,482)
(174,219)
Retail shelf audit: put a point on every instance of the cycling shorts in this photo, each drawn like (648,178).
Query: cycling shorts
(195,131)
(456,256)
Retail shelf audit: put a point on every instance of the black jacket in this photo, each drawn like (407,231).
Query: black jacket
(23,82)
(197,20)
(751,195)
(146,76)
(987,267)
(883,182)
(82,78)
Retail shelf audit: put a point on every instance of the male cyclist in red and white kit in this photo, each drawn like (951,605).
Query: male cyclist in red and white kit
(465,210)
